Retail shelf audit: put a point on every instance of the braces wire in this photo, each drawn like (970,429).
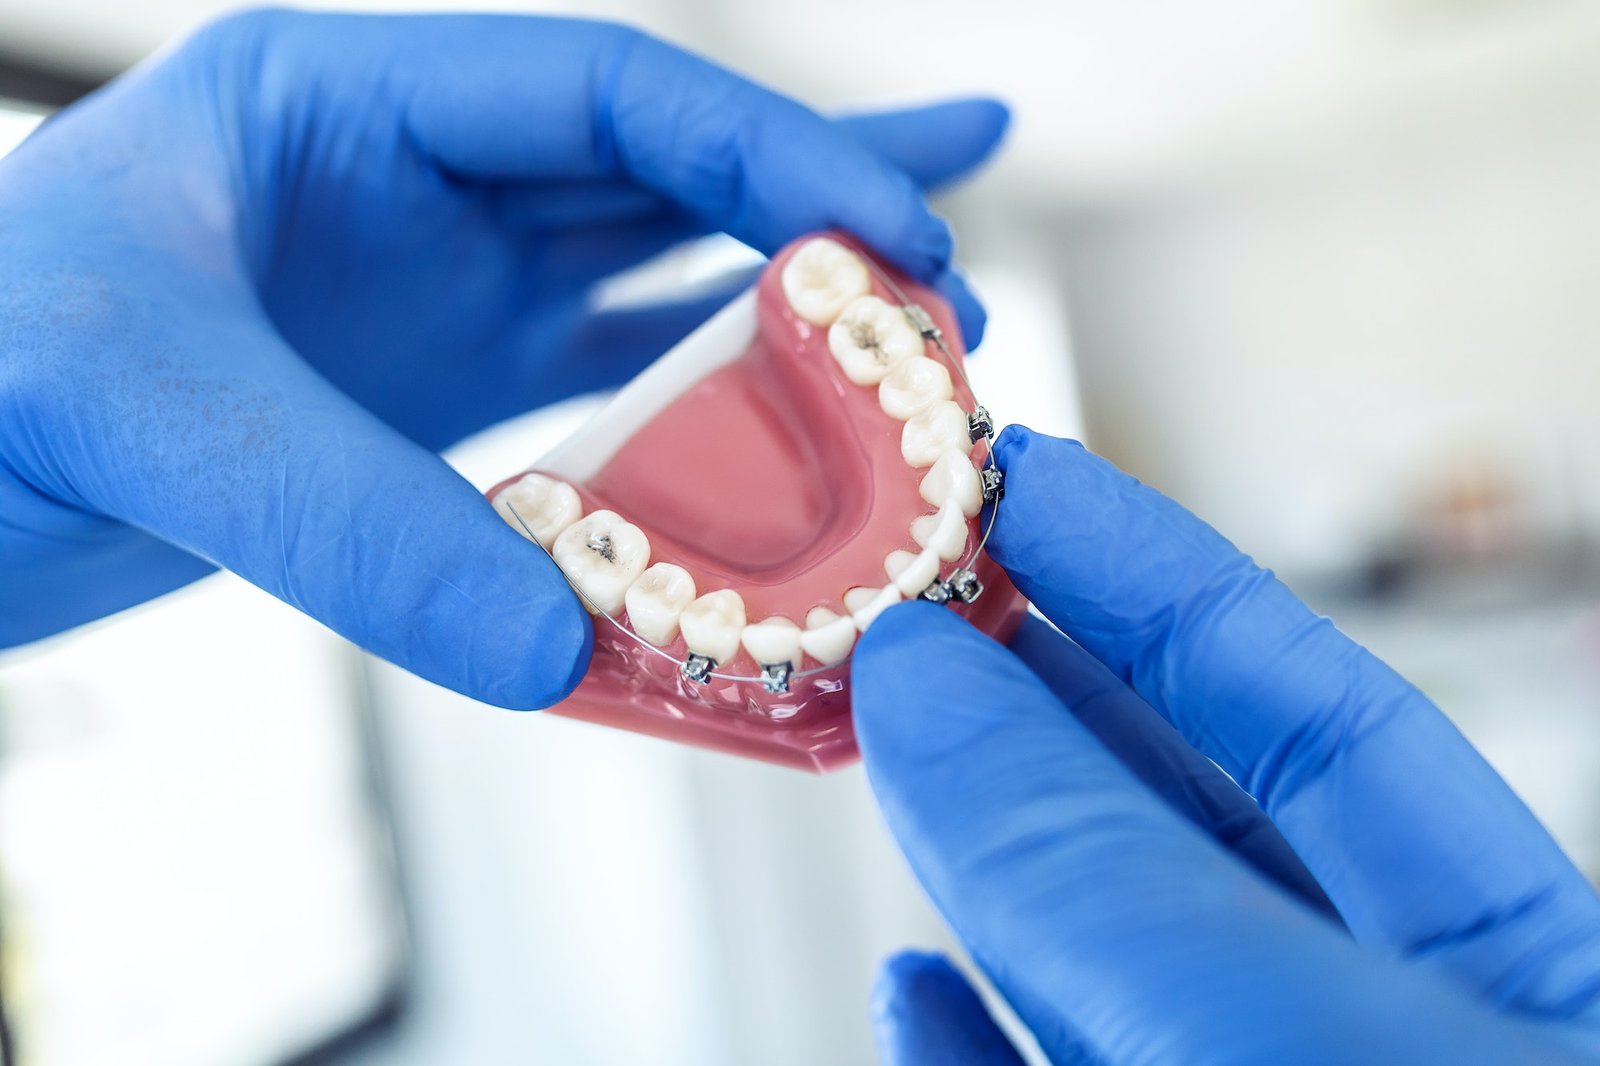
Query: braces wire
(982,428)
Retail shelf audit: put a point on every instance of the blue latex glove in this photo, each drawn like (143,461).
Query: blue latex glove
(247,292)
(1128,900)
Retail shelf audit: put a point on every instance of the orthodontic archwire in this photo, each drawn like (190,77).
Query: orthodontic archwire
(962,585)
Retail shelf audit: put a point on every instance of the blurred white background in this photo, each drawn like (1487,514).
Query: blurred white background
(1326,270)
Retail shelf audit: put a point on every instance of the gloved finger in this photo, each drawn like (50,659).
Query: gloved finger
(935,145)
(1418,842)
(554,99)
(1148,746)
(1101,916)
(258,465)
(924,1013)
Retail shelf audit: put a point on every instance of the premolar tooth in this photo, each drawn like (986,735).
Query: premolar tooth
(712,624)
(944,534)
(821,278)
(545,505)
(866,604)
(936,429)
(602,555)
(912,572)
(656,600)
(953,479)
(871,336)
(913,385)
(828,637)
(773,640)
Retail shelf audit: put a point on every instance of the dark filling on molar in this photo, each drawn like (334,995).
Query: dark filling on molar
(600,543)
(866,338)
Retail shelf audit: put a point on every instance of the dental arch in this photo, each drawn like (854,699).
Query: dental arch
(869,348)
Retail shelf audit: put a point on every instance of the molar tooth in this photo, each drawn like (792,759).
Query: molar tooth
(828,637)
(871,336)
(912,572)
(866,604)
(712,624)
(934,430)
(953,479)
(945,533)
(773,640)
(912,385)
(602,555)
(821,278)
(546,505)
(656,600)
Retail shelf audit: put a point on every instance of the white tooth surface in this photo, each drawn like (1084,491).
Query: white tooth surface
(828,637)
(656,600)
(773,640)
(944,534)
(866,604)
(869,337)
(912,385)
(712,624)
(545,505)
(821,278)
(936,429)
(602,555)
(953,479)
(912,571)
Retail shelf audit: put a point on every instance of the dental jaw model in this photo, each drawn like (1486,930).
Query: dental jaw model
(746,507)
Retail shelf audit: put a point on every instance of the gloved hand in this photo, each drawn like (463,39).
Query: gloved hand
(249,290)
(1128,900)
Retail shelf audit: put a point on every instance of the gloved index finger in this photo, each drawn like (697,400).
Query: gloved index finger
(1416,839)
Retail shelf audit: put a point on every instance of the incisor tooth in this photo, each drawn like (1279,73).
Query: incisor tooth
(545,505)
(772,640)
(602,555)
(711,625)
(656,600)
(828,637)
(869,337)
(912,385)
(944,533)
(936,429)
(912,572)
(953,479)
(866,604)
(821,278)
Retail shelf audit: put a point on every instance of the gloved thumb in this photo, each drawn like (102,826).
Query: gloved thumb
(257,464)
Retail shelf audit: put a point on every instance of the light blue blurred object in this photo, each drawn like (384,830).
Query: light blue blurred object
(1059,802)
(248,292)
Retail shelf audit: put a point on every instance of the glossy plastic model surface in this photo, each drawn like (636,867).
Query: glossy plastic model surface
(755,464)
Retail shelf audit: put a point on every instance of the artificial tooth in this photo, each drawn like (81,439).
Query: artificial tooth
(544,505)
(953,479)
(871,336)
(936,429)
(656,600)
(913,385)
(912,572)
(821,278)
(773,640)
(944,534)
(866,604)
(828,637)
(712,624)
(602,555)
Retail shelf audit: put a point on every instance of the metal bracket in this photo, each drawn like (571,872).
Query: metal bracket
(697,668)
(979,425)
(775,677)
(938,592)
(965,586)
(994,484)
(923,322)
